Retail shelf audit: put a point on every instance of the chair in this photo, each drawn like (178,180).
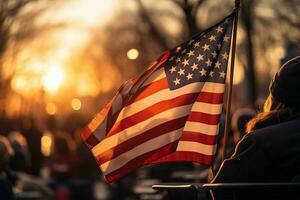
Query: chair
(233,191)
(182,191)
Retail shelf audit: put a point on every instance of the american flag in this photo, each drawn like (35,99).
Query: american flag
(170,112)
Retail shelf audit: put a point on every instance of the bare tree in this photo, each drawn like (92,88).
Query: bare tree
(247,16)
(9,10)
(17,27)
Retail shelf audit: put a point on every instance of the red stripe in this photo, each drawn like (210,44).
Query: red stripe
(151,111)
(92,141)
(85,133)
(89,139)
(180,156)
(151,89)
(198,137)
(208,97)
(140,139)
(205,118)
(142,160)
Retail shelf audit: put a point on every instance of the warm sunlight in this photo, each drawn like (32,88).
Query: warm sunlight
(53,78)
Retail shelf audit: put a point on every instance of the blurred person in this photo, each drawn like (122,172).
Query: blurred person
(64,167)
(6,178)
(20,161)
(33,136)
(270,152)
(64,163)
(17,184)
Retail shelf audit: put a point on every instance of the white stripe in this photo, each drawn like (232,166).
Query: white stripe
(158,75)
(196,147)
(213,87)
(167,94)
(139,150)
(213,109)
(201,128)
(140,128)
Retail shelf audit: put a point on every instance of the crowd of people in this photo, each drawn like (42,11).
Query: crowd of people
(68,172)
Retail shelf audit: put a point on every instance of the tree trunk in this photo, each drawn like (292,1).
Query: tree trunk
(247,20)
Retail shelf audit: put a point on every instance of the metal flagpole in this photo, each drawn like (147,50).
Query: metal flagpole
(228,105)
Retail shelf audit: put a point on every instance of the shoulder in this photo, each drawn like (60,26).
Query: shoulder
(276,134)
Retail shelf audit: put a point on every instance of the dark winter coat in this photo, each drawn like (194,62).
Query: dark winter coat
(270,154)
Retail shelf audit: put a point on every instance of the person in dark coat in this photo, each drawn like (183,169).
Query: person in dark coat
(6,178)
(270,152)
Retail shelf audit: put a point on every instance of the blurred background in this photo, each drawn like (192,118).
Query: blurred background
(61,61)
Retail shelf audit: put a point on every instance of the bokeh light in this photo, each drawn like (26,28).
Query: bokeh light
(132,54)
(46,144)
(76,104)
(51,108)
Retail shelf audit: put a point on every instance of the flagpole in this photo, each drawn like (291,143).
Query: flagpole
(229,98)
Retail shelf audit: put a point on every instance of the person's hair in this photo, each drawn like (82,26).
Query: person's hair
(273,112)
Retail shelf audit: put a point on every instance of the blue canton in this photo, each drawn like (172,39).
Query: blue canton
(204,58)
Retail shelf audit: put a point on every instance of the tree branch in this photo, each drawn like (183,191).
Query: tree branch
(153,29)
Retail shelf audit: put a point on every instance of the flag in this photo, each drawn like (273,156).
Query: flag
(170,112)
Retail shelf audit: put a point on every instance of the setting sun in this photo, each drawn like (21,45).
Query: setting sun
(53,79)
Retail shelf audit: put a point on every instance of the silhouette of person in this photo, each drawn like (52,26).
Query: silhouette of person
(270,152)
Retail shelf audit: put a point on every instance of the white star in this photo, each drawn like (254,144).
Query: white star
(206,47)
(211,74)
(222,74)
(219,29)
(176,81)
(212,38)
(194,66)
(191,53)
(226,38)
(214,54)
(225,56)
(219,46)
(181,72)
(203,72)
(185,62)
(197,44)
(184,51)
(200,57)
(218,64)
(208,63)
(189,76)
(173,69)
(178,60)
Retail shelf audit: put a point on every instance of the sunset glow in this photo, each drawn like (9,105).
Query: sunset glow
(53,79)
